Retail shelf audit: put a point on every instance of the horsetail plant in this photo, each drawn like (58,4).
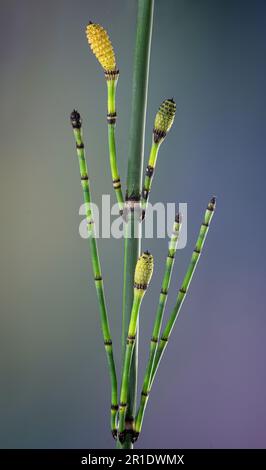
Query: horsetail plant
(132,243)
(102,48)
(157,323)
(143,273)
(163,122)
(96,267)
(126,423)
(157,352)
(204,228)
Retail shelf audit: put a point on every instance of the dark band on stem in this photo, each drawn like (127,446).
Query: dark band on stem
(122,405)
(171,256)
(164,339)
(140,286)
(183,290)
(98,278)
(80,146)
(154,340)
(132,204)
(197,250)
(158,135)
(117,183)
(111,118)
(84,178)
(178,218)
(129,422)
(114,407)
(131,339)
(149,171)
(145,193)
(145,394)
(111,74)
(108,342)
(164,291)
(133,197)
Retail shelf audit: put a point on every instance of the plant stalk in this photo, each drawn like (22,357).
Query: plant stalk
(131,339)
(134,183)
(111,81)
(96,267)
(157,324)
(149,176)
(185,285)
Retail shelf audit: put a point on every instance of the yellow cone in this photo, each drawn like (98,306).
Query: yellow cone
(143,271)
(164,118)
(101,46)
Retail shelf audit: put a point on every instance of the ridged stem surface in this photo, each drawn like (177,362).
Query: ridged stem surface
(131,338)
(185,286)
(157,324)
(149,176)
(134,182)
(111,121)
(96,267)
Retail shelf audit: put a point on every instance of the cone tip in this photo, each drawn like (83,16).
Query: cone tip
(74,115)
(75,119)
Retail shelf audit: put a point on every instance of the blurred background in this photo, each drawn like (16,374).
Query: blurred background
(54,388)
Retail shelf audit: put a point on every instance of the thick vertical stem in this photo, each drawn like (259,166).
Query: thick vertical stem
(134,182)
(139,94)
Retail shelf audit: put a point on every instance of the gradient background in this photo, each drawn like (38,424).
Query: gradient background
(209,55)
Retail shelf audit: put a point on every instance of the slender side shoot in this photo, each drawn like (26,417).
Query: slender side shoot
(96,267)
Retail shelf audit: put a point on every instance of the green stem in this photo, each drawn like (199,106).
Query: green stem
(149,176)
(131,338)
(111,120)
(96,267)
(162,124)
(185,285)
(134,182)
(157,324)
(139,94)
